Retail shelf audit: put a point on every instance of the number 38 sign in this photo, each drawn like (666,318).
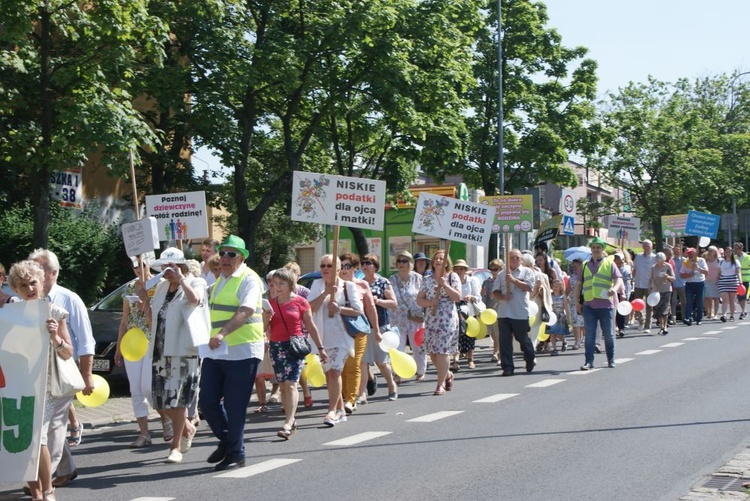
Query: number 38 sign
(67,187)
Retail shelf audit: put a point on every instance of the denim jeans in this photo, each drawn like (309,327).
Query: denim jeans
(694,293)
(232,381)
(604,317)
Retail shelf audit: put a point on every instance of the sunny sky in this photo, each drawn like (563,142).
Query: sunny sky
(668,39)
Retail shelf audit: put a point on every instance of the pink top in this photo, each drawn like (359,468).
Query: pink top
(291,323)
(714,269)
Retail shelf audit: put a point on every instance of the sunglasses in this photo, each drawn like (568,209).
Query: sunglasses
(231,254)
(366,263)
(326,266)
(402,261)
(347,266)
(494,269)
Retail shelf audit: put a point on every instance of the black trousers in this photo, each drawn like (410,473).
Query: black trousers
(512,328)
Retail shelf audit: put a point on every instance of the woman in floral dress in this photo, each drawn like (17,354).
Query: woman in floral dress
(408,317)
(438,296)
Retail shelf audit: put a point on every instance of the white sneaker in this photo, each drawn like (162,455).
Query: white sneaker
(175,456)
(646,331)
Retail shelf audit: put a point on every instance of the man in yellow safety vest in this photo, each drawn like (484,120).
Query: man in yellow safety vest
(237,346)
(744,259)
(599,280)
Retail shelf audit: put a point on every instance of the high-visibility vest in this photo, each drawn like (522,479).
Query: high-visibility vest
(225,304)
(593,285)
(745,265)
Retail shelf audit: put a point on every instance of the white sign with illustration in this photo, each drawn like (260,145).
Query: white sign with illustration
(453,219)
(179,216)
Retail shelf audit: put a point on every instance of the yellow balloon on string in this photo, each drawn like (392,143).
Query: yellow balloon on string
(314,371)
(482,330)
(98,396)
(134,345)
(403,365)
(488,316)
(542,336)
(472,327)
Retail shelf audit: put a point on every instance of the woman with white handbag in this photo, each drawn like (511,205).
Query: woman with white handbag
(27,280)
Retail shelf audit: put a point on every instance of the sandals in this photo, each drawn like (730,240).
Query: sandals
(285,432)
(439,391)
(308,401)
(167,430)
(455,367)
(449,381)
(262,408)
(141,442)
(76,434)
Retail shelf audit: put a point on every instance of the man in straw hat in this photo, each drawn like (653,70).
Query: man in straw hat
(237,346)
(597,285)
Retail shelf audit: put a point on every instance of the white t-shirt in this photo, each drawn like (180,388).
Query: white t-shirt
(642,269)
(728,268)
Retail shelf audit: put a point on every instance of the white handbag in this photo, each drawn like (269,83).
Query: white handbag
(65,378)
(198,322)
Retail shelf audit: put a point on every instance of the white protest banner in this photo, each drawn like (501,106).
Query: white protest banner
(338,200)
(179,216)
(140,237)
(624,228)
(24,350)
(453,219)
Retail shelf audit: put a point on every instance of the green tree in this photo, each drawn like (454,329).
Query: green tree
(548,108)
(66,74)
(282,72)
(664,144)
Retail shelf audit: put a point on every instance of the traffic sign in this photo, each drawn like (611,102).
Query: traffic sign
(568,203)
(569,225)
(729,222)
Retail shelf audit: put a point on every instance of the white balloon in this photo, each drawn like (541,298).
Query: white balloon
(704,242)
(390,341)
(552,318)
(624,308)
(653,299)
(533,309)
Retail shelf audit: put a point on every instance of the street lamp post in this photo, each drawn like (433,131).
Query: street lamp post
(500,153)
(731,120)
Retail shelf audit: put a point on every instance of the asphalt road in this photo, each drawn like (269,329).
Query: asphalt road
(673,411)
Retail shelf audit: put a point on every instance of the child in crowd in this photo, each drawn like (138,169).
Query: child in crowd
(560,306)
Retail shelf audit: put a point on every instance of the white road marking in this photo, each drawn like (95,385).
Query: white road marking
(152,499)
(671,345)
(744,323)
(712,332)
(648,352)
(729,327)
(359,438)
(429,418)
(256,469)
(696,338)
(495,398)
(545,383)
(576,373)
(623,360)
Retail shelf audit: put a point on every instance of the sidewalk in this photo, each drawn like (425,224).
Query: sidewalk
(115,410)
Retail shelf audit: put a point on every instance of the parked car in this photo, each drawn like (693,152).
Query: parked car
(105,322)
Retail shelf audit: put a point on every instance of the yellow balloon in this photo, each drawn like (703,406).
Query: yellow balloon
(532,320)
(482,330)
(98,396)
(542,336)
(472,327)
(488,316)
(403,365)
(314,371)
(134,345)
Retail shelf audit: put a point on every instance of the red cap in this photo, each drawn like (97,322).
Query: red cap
(690,251)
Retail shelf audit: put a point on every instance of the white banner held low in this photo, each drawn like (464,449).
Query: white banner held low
(179,216)
(453,219)
(24,350)
(338,200)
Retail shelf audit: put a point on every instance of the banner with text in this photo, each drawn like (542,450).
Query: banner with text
(338,200)
(674,225)
(702,224)
(624,228)
(179,216)
(453,219)
(66,186)
(513,212)
(140,237)
(24,351)
(549,229)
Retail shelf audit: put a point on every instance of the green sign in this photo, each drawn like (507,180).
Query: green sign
(673,226)
(514,212)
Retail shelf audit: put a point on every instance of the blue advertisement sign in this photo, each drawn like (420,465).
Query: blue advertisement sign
(702,224)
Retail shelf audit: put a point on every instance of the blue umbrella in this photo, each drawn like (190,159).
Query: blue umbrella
(583,253)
